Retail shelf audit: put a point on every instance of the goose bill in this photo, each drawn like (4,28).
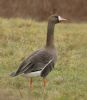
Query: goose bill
(61,19)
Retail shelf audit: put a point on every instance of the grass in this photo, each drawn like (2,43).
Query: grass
(68,81)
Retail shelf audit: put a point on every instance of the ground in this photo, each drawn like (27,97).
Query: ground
(68,81)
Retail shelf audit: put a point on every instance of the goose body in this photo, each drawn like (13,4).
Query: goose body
(37,63)
(42,61)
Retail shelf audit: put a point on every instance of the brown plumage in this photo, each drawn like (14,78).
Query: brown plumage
(43,60)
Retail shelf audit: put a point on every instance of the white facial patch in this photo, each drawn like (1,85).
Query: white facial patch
(61,19)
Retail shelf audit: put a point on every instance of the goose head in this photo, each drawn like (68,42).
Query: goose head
(56,19)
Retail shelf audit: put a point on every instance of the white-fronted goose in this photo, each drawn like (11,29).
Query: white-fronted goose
(41,62)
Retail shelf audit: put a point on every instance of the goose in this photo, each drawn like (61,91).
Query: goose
(41,62)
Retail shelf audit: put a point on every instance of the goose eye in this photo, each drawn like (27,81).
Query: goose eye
(56,16)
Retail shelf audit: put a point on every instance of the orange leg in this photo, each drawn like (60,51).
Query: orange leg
(31,82)
(44,84)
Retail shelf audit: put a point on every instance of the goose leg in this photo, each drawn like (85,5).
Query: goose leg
(44,84)
(31,84)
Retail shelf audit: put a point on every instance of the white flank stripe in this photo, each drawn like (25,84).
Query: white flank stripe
(32,74)
(37,73)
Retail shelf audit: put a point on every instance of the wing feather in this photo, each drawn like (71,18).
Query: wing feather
(47,68)
(36,62)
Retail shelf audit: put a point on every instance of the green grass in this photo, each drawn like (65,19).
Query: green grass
(68,81)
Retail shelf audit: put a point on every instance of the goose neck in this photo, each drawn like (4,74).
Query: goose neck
(50,35)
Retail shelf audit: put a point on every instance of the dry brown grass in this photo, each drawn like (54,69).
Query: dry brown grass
(68,81)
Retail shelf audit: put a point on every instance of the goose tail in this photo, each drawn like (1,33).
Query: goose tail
(13,74)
